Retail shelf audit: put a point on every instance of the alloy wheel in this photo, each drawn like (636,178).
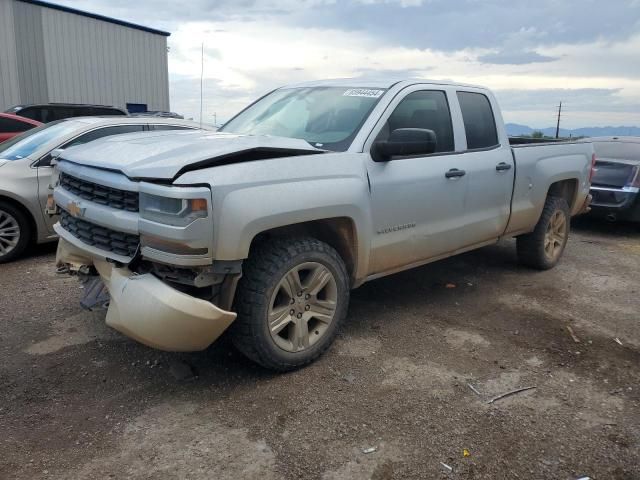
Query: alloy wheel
(302,306)
(556,235)
(9,233)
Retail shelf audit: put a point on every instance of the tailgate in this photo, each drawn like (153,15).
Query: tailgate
(612,174)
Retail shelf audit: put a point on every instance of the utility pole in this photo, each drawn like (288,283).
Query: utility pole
(201,80)
(558,125)
(215,119)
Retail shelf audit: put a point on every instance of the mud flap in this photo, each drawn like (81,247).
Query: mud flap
(96,294)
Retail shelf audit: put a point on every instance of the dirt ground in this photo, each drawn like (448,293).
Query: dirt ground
(78,400)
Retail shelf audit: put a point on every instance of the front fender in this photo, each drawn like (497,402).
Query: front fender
(246,212)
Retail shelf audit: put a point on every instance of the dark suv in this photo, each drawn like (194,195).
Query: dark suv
(48,112)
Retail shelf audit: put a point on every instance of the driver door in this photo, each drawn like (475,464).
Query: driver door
(417,201)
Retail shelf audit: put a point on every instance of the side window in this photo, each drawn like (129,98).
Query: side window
(9,125)
(104,132)
(426,109)
(169,127)
(36,113)
(84,112)
(479,122)
(106,111)
(60,113)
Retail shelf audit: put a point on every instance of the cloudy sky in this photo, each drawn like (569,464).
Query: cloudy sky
(531,53)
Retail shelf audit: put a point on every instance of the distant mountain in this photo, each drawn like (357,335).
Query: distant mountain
(515,130)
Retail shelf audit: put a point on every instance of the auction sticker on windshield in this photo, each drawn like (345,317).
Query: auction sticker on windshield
(363,92)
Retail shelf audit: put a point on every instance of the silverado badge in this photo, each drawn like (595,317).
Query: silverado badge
(75,210)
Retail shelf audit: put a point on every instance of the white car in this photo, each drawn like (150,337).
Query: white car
(25,163)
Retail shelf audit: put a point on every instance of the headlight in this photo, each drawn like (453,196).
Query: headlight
(178,212)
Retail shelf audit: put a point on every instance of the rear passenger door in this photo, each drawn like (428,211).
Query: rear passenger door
(489,166)
(417,204)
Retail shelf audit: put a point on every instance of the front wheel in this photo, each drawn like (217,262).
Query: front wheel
(15,232)
(542,248)
(291,300)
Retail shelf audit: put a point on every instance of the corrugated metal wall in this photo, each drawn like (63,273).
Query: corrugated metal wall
(32,72)
(64,57)
(9,84)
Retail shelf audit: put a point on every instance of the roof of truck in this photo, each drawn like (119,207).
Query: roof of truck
(376,82)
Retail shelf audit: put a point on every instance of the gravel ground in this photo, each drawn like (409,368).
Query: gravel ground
(78,400)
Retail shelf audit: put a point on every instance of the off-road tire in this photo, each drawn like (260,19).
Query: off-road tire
(531,247)
(25,232)
(268,263)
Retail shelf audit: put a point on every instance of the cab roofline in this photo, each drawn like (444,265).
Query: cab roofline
(378,82)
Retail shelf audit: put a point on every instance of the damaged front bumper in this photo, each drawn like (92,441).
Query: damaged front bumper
(150,311)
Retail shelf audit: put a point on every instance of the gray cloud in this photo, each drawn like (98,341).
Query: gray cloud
(445,25)
(514,58)
(513,32)
(576,100)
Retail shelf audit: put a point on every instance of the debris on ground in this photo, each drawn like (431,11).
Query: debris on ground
(512,392)
(181,371)
(63,269)
(466,453)
(474,389)
(450,469)
(349,378)
(617,340)
(450,285)
(369,450)
(573,335)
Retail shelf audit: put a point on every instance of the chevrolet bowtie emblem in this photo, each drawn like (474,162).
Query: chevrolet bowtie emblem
(75,210)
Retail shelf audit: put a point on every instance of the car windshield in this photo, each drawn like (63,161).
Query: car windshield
(27,143)
(326,117)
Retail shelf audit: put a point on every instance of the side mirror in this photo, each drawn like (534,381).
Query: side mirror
(405,141)
(51,158)
(56,152)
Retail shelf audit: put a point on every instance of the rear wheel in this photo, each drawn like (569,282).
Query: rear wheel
(542,248)
(291,300)
(15,232)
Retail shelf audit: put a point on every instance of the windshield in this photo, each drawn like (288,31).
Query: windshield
(326,117)
(27,143)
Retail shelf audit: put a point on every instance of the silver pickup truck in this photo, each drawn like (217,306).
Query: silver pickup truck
(314,189)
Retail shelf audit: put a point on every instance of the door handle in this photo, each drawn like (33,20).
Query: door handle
(455,173)
(502,166)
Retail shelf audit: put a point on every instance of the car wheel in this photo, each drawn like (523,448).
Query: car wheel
(291,300)
(542,248)
(15,232)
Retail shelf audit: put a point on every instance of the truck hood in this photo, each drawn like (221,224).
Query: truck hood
(2,162)
(166,155)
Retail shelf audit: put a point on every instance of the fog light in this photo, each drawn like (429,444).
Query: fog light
(168,246)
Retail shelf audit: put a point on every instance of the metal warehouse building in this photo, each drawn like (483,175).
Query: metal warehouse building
(54,54)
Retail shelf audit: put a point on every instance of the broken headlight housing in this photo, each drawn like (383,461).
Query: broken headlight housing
(178,212)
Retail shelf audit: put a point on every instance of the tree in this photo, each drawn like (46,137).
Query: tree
(537,134)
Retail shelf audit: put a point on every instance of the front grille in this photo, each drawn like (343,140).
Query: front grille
(100,237)
(110,197)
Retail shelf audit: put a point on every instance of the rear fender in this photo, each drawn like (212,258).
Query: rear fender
(535,178)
